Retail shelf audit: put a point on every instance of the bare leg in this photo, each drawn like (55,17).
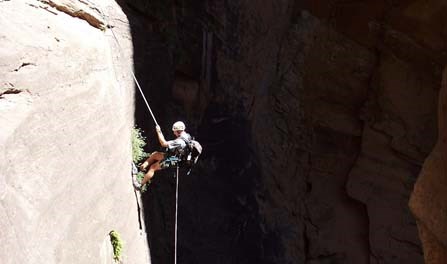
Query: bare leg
(154,167)
(154,157)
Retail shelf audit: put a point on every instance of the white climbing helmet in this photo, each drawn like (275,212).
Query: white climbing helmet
(179,125)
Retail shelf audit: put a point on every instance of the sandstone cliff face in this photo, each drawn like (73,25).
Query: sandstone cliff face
(66,112)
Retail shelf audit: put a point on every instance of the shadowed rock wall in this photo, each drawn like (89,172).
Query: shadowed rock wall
(315,117)
(428,198)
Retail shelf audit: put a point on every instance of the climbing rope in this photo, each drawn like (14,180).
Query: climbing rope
(176,213)
(109,26)
(156,123)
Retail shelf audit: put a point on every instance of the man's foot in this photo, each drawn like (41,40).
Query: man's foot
(144,166)
(137,186)
(134,169)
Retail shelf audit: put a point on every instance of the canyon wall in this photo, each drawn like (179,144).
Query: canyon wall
(428,201)
(316,118)
(66,114)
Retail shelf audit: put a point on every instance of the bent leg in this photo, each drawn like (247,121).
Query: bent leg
(154,167)
(154,157)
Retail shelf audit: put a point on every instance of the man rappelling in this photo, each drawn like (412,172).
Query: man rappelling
(182,150)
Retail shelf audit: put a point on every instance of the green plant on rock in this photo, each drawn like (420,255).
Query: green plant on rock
(138,143)
(117,245)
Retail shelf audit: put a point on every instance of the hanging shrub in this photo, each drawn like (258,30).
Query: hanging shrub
(117,245)
(138,143)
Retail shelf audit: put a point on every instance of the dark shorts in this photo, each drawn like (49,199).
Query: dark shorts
(169,162)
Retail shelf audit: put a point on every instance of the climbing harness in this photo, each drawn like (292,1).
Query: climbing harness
(169,162)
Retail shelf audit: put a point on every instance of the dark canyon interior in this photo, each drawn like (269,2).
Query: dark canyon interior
(315,118)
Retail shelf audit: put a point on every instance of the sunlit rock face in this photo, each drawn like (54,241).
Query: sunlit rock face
(315,117)
(66,113)
(428,201)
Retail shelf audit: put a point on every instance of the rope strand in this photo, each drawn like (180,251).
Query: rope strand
(131,72)
(176,213)
(156,123)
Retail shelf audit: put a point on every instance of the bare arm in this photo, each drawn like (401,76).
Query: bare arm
(161,138)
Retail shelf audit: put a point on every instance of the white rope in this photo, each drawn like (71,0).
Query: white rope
(131,72)
(176,213)
(156,123)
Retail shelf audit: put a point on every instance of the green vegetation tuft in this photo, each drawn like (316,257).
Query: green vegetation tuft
(117,245)
(138,143)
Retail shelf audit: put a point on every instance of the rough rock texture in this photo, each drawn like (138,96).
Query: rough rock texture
(83,9)
(66,112)
(370,111)
(428,201)
(315,116)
